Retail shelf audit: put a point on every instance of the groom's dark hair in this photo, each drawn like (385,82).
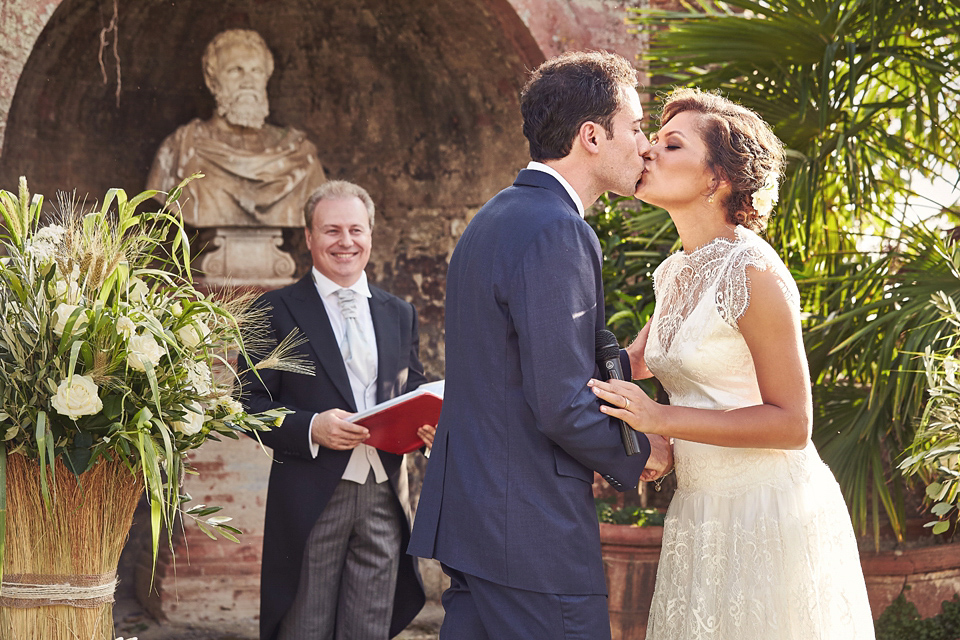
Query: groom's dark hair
(568,90)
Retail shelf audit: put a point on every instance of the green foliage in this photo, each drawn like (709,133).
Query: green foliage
(861,93)
(634,238)
(935,451)
(108,351)
(608,512)
(902,620)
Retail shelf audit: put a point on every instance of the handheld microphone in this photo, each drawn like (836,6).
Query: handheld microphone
(608,359)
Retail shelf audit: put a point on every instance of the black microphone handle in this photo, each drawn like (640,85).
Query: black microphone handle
(611,370)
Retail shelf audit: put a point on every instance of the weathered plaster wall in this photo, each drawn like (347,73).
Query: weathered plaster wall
(565,25)
(20,24)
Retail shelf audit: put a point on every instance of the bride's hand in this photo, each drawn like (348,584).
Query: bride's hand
(629,403)
(636,352)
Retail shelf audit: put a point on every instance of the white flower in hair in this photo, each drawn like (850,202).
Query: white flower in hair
(766,196)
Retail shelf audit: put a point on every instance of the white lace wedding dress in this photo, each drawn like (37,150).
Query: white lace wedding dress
(757,543)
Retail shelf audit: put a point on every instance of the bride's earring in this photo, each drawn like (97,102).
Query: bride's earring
(710,199)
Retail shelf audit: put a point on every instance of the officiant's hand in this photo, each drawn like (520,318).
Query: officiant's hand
(660,462)
(427,433)
(329,429)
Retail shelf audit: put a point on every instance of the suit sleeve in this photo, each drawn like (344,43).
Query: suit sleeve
(554,305)
(263,393)
(415,372)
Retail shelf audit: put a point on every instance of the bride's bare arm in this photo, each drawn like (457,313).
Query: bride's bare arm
(771,328)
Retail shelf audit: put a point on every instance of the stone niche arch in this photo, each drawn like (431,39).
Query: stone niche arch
(416,101)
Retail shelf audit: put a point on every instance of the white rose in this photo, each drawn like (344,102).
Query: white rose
(950,367)
(62,314)
(228,404)
(69,292)
(199,377)
(52,233)
(138,290)
(44,244)
(77,397)
(126,327)
(193,334)
(191,423)
(143,349)
(43,252)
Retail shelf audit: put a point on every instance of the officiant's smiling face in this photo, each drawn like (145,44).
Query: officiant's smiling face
(339,239)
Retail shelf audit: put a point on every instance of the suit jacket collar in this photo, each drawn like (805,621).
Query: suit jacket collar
(311,316)
(543,180)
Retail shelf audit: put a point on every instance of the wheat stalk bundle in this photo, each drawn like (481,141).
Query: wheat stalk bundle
(76,541)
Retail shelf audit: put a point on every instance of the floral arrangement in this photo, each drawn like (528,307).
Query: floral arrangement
(108,351)
(935,453)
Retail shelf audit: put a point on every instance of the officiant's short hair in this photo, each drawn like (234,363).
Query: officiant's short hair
(337,190)
(568,90)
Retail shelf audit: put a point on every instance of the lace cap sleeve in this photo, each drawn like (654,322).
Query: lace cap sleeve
(733,287)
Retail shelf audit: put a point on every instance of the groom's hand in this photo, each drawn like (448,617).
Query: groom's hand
(660,462)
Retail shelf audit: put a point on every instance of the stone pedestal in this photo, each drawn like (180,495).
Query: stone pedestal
(247,256)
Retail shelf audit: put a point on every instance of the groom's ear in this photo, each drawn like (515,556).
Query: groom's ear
(588,136)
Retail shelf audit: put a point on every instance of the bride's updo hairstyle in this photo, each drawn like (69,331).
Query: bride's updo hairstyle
(741,148)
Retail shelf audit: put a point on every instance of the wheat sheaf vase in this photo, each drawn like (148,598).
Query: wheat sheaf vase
(60,563)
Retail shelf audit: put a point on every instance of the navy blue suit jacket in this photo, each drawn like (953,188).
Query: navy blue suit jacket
(301,485)
(507,493)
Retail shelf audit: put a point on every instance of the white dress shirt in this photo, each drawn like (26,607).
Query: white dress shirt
(364,457)
(539,166)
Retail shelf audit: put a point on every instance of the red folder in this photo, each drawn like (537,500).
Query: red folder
(393,424)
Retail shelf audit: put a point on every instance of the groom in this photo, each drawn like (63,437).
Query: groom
(507,505)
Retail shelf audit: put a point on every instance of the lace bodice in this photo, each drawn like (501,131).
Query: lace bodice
(719,269)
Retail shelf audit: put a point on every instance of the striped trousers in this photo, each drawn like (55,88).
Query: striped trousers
(349,572)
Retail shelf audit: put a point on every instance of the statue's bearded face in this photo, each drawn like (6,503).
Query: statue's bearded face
(240,86)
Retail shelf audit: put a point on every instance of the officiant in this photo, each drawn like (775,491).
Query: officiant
(337,513)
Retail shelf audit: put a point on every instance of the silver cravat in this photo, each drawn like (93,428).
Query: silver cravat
(355,349)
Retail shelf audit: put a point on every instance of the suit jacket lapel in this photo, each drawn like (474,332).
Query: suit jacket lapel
(386,326)
(311,316)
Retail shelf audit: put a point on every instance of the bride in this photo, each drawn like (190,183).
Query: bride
(757,542)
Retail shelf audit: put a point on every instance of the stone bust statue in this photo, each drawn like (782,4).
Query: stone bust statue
(256,174)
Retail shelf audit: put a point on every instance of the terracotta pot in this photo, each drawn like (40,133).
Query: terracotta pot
(932,575)
(630,557)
